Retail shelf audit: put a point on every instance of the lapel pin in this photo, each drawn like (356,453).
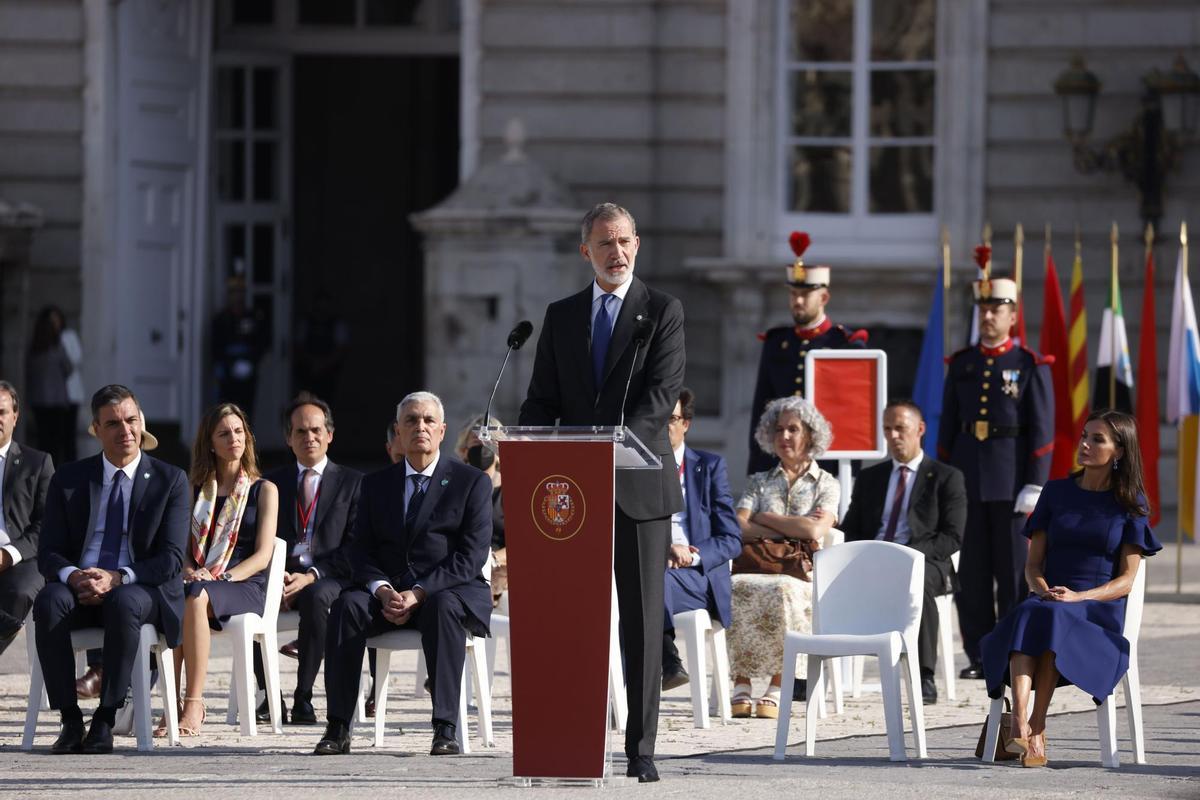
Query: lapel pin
(146,475)
(445,481)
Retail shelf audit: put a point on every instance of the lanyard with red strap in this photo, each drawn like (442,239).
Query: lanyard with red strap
(306,515)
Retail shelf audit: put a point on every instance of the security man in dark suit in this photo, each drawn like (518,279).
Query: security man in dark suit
(997,427)
(421,537)
(318,500)
(585,354)
(705,537)
(24,478)
(111,549)
(915,501)
(781,365)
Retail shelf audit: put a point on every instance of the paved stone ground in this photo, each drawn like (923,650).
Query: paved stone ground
(851,758)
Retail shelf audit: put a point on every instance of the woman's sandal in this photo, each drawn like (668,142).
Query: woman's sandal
(1017,745)
(188,730)
(768,704)
(1031,760)
(741,705)
(160,730)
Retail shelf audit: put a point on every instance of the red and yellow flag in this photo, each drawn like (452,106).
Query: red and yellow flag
(1077,357)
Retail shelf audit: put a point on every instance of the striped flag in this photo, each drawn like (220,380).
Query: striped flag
(1054,343)
(1077,360)
(1114,372)
(1183,395)
(1147,392)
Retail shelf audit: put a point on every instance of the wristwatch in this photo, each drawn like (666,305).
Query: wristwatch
(225,576)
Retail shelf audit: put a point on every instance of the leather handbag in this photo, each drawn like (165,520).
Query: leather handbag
(1003,739)
(774,557)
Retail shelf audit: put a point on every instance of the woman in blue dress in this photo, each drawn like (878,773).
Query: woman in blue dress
(229,547)
(1088,535)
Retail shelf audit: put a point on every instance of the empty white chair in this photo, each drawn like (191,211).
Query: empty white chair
(867,599)
(151,645)
(703,635)
(1106,713)
(245,630)
(476,663)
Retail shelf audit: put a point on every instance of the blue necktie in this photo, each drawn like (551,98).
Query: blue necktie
(114,526)
(414,502)
(601,336)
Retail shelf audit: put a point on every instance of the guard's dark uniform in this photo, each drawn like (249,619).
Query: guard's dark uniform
(997,427)
(781,371)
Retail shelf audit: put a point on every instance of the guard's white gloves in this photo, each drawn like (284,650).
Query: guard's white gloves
(1027,498)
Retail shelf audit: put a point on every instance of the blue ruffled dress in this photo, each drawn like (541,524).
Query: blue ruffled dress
(1085,531)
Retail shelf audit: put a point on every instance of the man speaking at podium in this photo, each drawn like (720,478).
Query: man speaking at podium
(585,360)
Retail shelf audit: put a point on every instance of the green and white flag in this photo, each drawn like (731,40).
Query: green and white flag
(1114,349)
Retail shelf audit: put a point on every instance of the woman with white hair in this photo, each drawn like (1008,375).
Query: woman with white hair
(793,504)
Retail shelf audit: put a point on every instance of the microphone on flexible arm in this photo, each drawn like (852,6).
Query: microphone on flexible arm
(516,337)
(643,328)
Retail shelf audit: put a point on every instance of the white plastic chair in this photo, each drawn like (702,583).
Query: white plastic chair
(1106,713)
(406,639)
(499,627)
(151,645)
(246,629)
(867,599)
(945,609)
(700,634)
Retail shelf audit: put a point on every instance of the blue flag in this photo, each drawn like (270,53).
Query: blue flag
(927,390)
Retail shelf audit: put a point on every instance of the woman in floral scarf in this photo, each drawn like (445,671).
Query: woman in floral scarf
(229,548)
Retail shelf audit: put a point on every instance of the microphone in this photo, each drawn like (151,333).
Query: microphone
(520,334)
(516,337)
(643,328)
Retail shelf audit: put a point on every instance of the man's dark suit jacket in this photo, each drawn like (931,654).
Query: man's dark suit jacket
(337,505)
(562,390)
(937,509)
(712,524)
(27,474)
(450,542)
(159,521)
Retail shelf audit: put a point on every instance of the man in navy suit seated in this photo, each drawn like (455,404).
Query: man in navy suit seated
(705,537)
(421,536)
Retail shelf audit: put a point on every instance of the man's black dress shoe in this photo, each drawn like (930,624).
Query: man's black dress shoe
(444,743)
(973,671)
(674,676)
(928,690)
(87,685)
(99,738)
(642,768)
(302,712)
(263,714)
(70,740)
(799,690)
(335,742)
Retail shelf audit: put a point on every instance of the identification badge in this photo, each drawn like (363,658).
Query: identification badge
(1011,377)
(981,430)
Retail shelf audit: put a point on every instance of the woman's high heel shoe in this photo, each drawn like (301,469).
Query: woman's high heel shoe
(1031,760)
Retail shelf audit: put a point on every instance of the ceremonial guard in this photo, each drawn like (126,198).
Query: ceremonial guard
(997,427)
(781,366)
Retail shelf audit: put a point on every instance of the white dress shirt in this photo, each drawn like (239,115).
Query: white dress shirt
(903,534)
(5,540)
(614,306)
(408,493)
(303,549)
(91,549)
(680,524)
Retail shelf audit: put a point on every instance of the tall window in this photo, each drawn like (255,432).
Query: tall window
(857,110)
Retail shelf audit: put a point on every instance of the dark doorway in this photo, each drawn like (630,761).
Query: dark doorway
(375,139)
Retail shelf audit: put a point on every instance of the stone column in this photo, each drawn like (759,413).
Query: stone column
(18,221)
(498,250)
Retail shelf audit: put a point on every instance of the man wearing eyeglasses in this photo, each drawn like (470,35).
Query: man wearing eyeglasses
(705,537)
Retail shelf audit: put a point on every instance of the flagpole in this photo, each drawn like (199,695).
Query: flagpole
(1018,259)
(1112,338)
(1179,449)
(987,242)
(945,296)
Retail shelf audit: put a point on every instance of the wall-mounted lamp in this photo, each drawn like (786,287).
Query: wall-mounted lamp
(1153,145)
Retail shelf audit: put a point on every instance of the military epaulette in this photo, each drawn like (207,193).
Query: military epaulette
(956,353)
(775,332)
(1038,359)
(859,335)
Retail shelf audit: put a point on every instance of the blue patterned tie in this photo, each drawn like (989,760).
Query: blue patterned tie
(414,502)
(114,526)
(601,336)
